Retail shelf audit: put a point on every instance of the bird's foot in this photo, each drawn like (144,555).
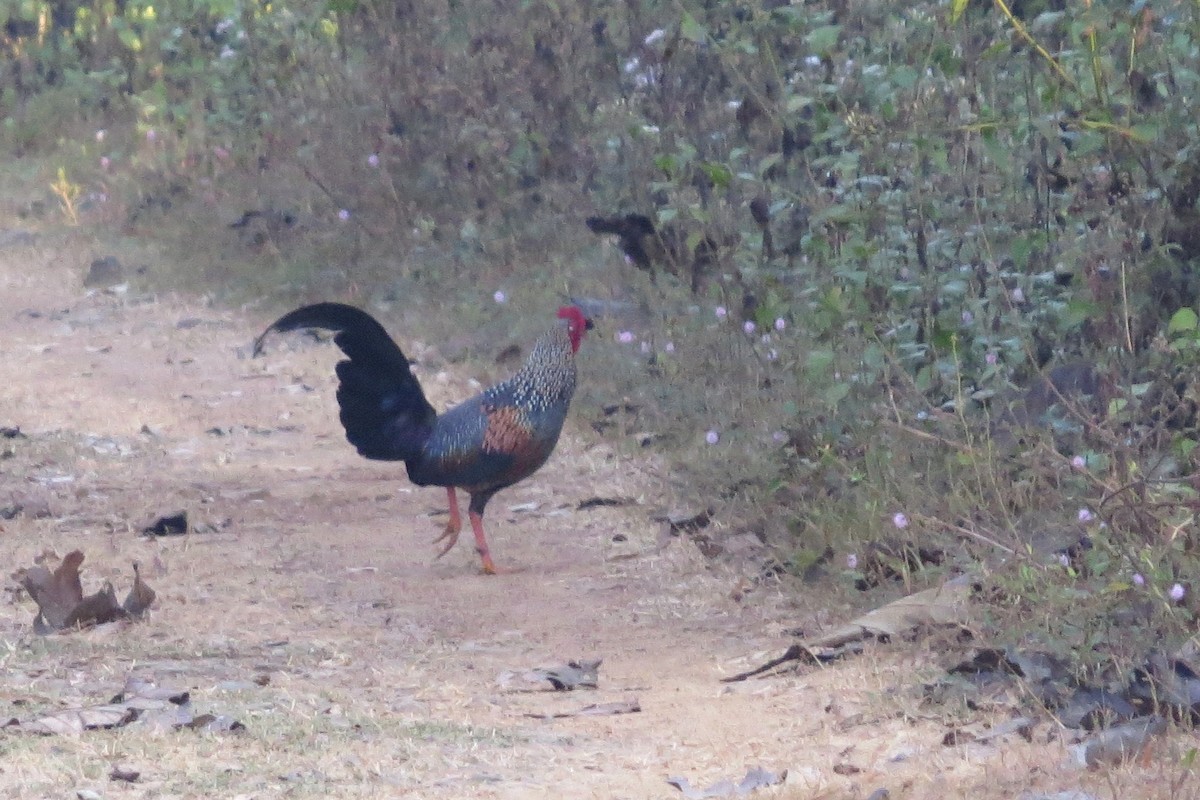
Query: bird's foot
(490,568)
(450,536)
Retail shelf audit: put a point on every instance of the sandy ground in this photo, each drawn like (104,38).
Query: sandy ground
(306,603)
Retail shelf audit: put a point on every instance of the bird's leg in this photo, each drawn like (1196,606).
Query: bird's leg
(453,526)
(481,544)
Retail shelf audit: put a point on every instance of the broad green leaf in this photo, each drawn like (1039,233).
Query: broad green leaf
(836,393)
(1182,321)
(824,39)
(692,30)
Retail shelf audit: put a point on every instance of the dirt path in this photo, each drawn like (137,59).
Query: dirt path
(307,605)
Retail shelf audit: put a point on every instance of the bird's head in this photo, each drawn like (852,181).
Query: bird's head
(577,323)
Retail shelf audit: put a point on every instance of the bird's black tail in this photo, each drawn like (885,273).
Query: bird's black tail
(383,408)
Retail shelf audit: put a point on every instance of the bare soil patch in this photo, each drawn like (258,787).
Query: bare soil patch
(305,602)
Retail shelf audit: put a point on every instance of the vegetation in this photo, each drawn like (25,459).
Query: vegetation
(921,286)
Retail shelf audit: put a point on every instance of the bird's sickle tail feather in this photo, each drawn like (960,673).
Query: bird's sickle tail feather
(383,408)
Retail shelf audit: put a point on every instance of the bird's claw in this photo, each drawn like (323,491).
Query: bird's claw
(450,534)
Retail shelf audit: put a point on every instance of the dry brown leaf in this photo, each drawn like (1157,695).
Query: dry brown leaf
(941,605)
(56,593)
(74,721)
(572,675)
(631,706)
(60,600)
(140,597)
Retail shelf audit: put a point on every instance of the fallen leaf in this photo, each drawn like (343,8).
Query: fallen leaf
(631,706)
(168,525)
(122,773)
(757,778)
(60,600)
(56,593)
(604,502)
(572,675)
(140,597)
(74,721)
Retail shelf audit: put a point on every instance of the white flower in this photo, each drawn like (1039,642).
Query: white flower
(1085,515)
(900,520)
(654,36)
(780,324)
(500,297)
(1177,592)
(748,327)
(712,437)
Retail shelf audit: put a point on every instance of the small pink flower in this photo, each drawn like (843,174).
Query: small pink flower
(765,338)
(992,358)
(1138,580)
(669,347)
(104,162)
(748,327)
(373,160)
(852,561)
(343,215)
(1177,592)
(500,297)
(780,324)
(712,437)
(720,312)
(625,337)
(1085,515)
(221,153)
(779,437)
(900,520)
(151,135)
(1017,295)
(967,317)
(1079,462)
(772,354)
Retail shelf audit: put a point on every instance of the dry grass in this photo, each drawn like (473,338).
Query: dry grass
(310,609)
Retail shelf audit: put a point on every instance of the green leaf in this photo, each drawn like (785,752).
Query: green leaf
(823,39)
(836,393)
(819,360)
(692,30)
(719,174)
(1182,321)
(956,10)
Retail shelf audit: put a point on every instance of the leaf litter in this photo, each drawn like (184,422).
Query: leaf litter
(756,778)
(61,603)
(140,701)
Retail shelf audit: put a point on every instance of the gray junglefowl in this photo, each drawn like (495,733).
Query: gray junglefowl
(482,445)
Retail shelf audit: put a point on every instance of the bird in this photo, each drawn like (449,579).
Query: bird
(484,444)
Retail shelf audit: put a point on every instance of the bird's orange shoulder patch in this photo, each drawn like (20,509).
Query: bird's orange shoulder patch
(507,430)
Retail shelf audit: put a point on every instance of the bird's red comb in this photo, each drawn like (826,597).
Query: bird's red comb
(577,323)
